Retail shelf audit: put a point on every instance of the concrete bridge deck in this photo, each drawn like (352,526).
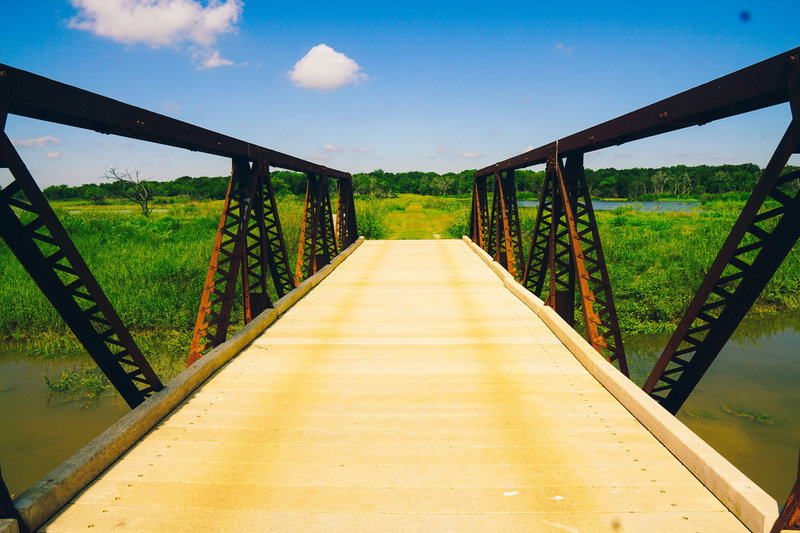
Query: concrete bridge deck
(409,391)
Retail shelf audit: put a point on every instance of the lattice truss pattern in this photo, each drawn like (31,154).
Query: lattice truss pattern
(504,241)
(566,250)
(36,237)
(761,238)
(317,237)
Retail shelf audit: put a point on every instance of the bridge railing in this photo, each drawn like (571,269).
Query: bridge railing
(566,259)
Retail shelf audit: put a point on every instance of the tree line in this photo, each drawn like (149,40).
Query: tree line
(632,183)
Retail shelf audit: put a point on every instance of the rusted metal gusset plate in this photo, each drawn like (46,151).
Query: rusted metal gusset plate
(213,318)
(789,519)
(755,87)
(317,239)
(752,252)
(36,237)
(41,98)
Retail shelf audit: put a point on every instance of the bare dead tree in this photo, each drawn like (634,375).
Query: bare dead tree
(134,188)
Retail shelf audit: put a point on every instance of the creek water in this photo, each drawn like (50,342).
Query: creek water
(610,205)
(747,406)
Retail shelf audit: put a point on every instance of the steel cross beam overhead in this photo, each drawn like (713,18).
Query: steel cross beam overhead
(755,87)
(33,96)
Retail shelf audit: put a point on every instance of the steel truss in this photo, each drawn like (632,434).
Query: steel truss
(566,250)
(317,239)
(346,214)
(36,237)
(504,241)
(249,237)
(755,248)
(479,215)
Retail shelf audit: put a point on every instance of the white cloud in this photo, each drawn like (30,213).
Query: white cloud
(320,157)
(441,149)
(470,155)
(365,150)
(52,155)
(157,22)
(211,60)
(564,48)
(332,148)
(529,148)
(323,69)
(38,141)
(169,106)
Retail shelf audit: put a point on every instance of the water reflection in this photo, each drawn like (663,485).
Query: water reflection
(38,429)
(747,406)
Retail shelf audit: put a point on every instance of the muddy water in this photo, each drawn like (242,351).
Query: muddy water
(39,429)
(747,406)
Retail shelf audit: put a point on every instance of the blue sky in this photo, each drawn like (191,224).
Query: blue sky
(399,86)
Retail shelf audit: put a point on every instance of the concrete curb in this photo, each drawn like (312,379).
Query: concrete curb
(747,501)
(42,500)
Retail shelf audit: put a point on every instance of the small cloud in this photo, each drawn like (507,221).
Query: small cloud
(52,155)
(323,69)
(561,47)
(157,22)
(441,149)
(320,157)
(524,99)
(170,107)
(470,155)
(364,150)
(529,148)
(37,141)
(210,59)
(163,164)
(332,148)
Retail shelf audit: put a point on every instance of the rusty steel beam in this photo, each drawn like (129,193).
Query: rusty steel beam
(504,241)
(346,215)
(789,519)
(33,96)
(755,87)
(479,214)
(749,257)
(566,248)
(36,237)
(228,254)
(317,239)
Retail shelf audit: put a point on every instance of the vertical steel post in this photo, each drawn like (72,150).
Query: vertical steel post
(566,248)
(479,215)
(214,315)
(751,254)
(346,214)
(36,237)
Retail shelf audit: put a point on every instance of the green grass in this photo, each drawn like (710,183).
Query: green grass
(153,269)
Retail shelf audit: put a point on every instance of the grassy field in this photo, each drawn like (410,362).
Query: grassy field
(153,269)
